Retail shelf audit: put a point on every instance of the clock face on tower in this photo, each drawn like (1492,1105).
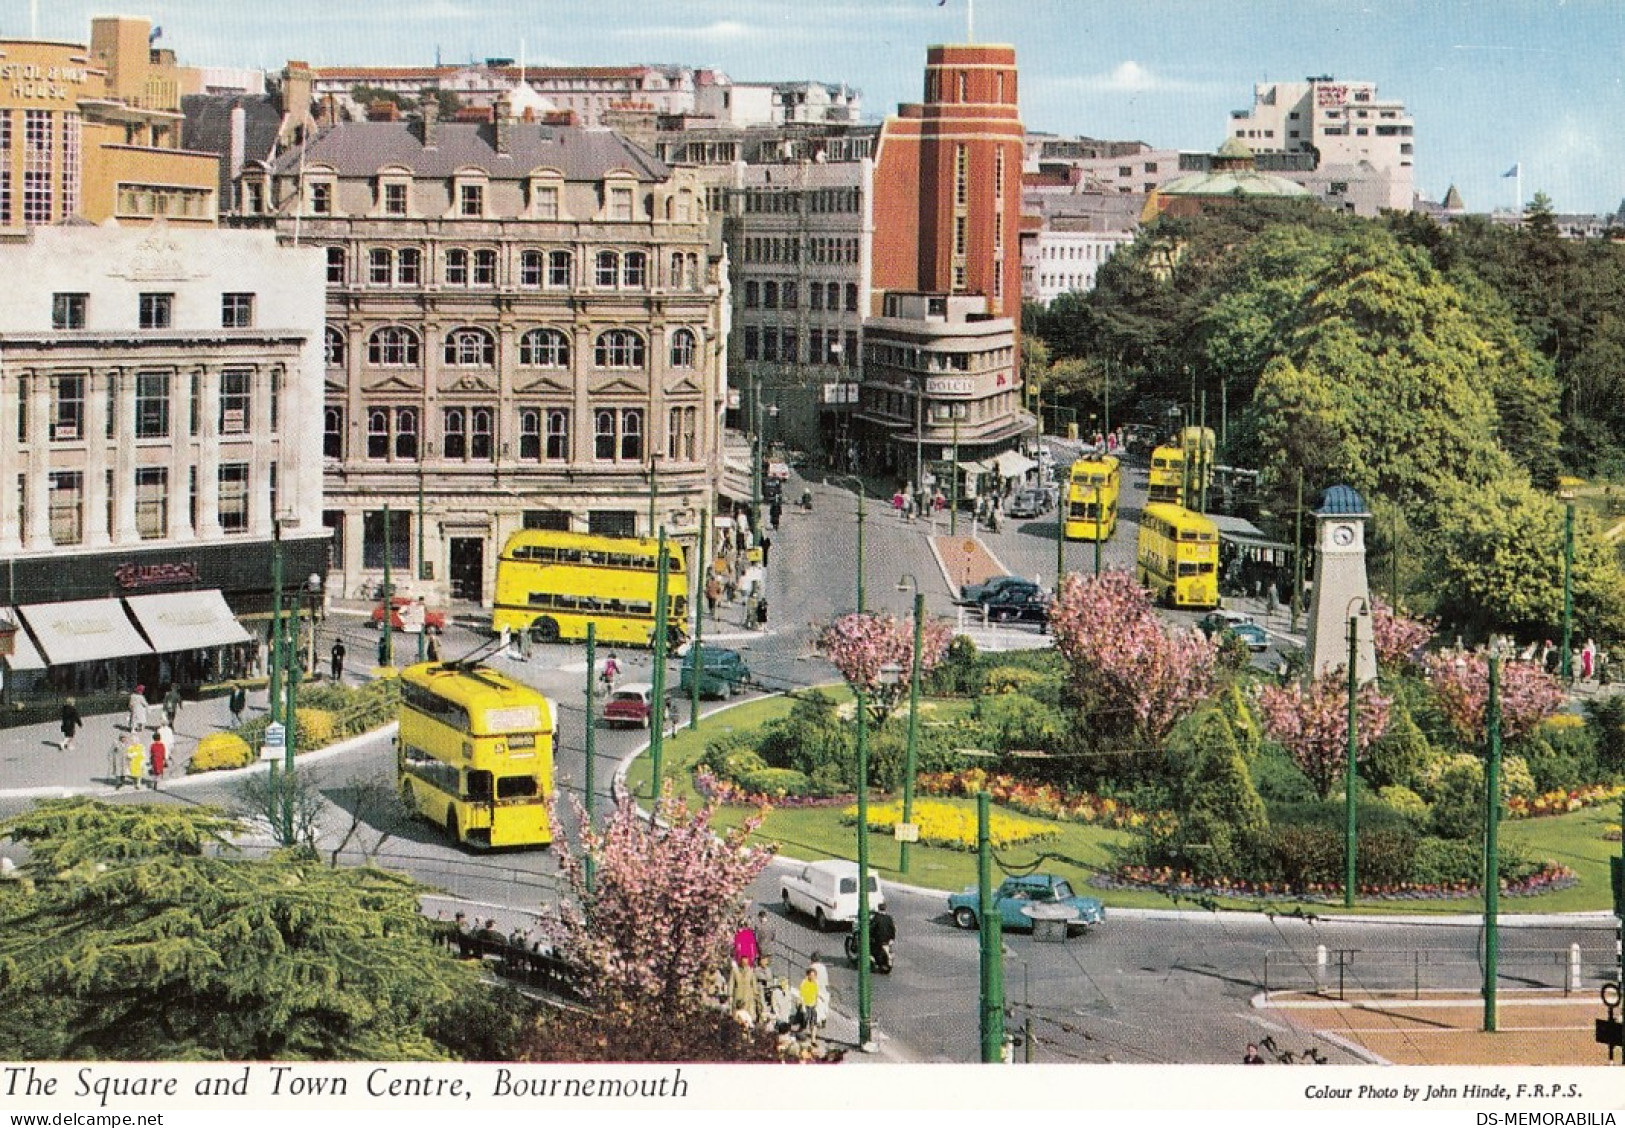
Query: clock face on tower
(1343,535)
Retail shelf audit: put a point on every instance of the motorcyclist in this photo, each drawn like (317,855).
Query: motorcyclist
(882,934)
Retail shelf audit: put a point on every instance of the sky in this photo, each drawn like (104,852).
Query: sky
(1490,83)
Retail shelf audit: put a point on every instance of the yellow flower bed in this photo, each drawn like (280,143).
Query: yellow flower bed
(954,827)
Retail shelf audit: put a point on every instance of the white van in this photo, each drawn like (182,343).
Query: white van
(828,892)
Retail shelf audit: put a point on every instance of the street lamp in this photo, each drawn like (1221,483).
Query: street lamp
(313,598)
(904,583)
(857,483)
(1348,775)
(917,386)
(1566,656)
(888,676)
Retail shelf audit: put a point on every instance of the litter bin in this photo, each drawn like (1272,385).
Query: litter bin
(1051,923)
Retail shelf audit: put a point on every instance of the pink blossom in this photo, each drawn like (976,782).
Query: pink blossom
(1118,649)
(668,896)
(1399,639)
(1461,682)
(1312,724)
(863,643)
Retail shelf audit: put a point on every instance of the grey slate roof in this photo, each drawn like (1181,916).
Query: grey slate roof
(361,148)
(207,128)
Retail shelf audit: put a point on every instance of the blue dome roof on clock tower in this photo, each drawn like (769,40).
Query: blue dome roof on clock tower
(1342,501)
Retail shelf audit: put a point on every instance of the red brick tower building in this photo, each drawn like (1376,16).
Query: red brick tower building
(941,394)
(948,182)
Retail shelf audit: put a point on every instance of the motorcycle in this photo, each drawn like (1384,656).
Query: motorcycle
(881,958)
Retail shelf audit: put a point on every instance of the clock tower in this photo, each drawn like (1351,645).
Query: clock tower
(1341,590)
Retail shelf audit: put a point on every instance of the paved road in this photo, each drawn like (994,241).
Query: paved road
(1146,987)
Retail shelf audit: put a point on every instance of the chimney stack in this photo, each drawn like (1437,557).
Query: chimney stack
(430,106)
(502,121)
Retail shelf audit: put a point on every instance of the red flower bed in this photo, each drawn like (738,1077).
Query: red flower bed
(1169,880)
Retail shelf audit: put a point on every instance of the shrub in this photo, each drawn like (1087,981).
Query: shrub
(954,825)
(1400,754)
(812,739)
(1605,717)
(775,783)
(1458,798)
(1014,721)
(1441,861)
(218,751)
(1011,679)
(1278,779)
(315,728)
(1406,802)
(959,673)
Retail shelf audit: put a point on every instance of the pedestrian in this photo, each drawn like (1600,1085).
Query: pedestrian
(1588,659)
(612,670)
(336,660)
(767,543)
(775,512)
(172,703)
(138,709)
(1252,1056)
(761,613)
(671,716)
(433,649)
(750,612)
(72,722)
(237,702)
(166,734)
(808,996)
(746,950)
(115,763)
(713,592)
(820,972)
(765,934)
(157,756)
(135,761)
(1271,600)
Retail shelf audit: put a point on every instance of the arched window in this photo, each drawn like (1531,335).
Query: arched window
(393,346)
(333,432)
(378,433)
(544,348)
(530,435)
(333,346)
(618,348)
(470,348)
(603,435)
(558,434)
(607,269)
(481,435)
(682,349)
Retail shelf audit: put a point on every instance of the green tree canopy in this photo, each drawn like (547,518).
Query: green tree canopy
(139,935)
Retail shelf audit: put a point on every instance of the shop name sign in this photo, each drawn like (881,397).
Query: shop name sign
(131,576)
(950,385)
(31,80)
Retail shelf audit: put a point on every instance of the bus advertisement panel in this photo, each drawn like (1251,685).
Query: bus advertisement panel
(475,754)
(1178,556)
(1092,491)
(553,584)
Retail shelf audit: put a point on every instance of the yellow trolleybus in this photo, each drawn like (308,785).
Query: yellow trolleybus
(475,754)
(1166,481)
(1091,498)
(1179,556)
(553,584)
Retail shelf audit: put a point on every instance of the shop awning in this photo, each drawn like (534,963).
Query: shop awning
(24,654)
(83,631)
(186,620)
(1013,464)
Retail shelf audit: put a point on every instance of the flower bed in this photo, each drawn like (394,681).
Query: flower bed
(1563,801)
(954,827)
(729,794)
(1044,800)
(1547,879)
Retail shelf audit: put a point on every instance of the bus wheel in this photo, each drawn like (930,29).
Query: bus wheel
(451,826)
(544,630)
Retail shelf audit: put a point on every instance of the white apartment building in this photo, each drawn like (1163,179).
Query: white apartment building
(1342,123)
(1062,259)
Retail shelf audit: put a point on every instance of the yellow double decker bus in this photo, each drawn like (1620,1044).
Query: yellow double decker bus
(553,584)
(1092,490)
(475,754)
(1179,556)
(1166,481)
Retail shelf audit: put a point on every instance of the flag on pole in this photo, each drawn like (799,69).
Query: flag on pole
(1513,171)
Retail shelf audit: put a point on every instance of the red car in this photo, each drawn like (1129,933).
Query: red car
(433,621)
(630,704)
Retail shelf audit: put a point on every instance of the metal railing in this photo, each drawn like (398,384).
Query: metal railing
(1338,973)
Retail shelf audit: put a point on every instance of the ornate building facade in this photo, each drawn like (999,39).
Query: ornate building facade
(524,329)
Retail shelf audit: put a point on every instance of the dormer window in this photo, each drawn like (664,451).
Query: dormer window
(319,197)
(620,205)
(394,198)
(471,200)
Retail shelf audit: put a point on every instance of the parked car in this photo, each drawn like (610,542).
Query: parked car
(1029,503)
(828,892)
(1017,605)
(976,593)
(722,671)
(1018,893)
(631,704)
(1236,623)
(434,621)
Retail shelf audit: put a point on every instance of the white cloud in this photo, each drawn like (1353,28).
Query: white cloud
(1127,77)
(719,31)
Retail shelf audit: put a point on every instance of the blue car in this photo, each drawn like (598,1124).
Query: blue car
(1018,893)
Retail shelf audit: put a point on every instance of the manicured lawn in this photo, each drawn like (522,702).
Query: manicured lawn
(1080,851)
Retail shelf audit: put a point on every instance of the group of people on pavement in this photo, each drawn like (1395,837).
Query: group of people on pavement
(141,754)
(739,570)
(757,996)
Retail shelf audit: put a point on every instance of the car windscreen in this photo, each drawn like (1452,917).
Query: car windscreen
(1062,890)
